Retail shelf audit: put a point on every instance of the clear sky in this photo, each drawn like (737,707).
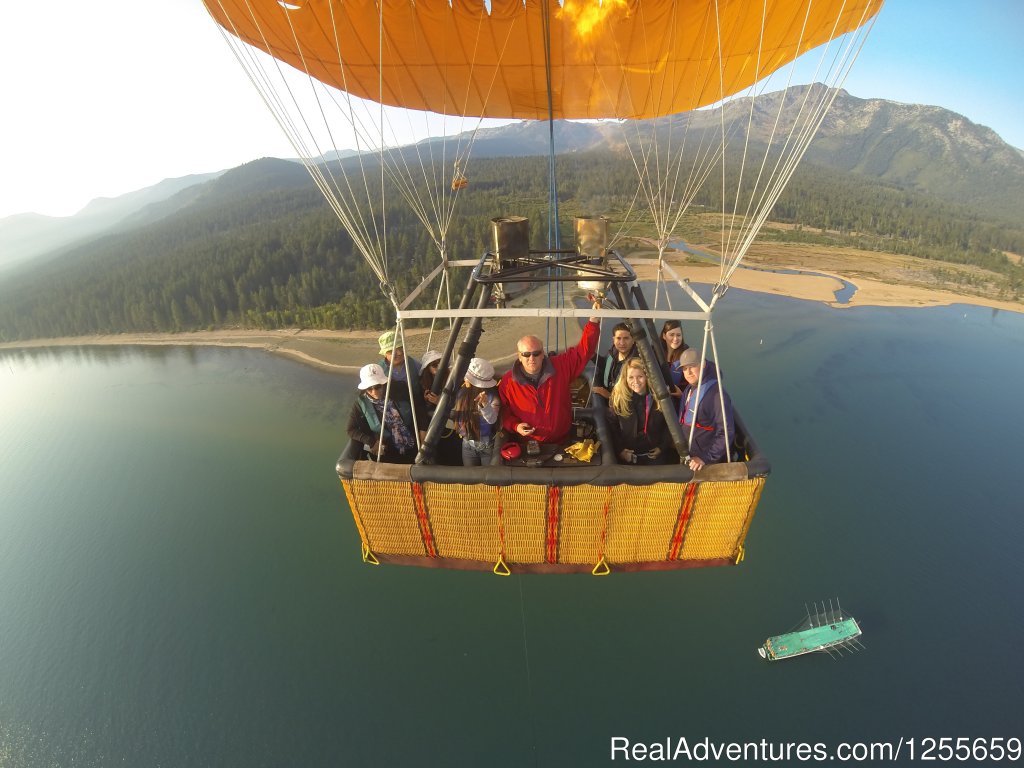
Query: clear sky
(102,98)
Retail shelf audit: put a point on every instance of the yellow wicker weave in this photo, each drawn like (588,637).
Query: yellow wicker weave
(625,524)
(464,520)
(643,522)
(582,521)
(388,515)
(720,519)
(525,516)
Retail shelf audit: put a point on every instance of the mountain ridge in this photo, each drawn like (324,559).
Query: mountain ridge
(926,148)
(260,247)
(922,148)
(25,236)
(917,147)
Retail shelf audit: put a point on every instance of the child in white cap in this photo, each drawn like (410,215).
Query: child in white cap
(476,413)
(428,369)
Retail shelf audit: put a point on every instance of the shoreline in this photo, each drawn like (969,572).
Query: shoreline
(347,351)
(333,351)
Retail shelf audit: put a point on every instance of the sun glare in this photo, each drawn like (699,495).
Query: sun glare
(585,16)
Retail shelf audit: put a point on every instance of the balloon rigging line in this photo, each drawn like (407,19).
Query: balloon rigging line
(257,75)
(669,191)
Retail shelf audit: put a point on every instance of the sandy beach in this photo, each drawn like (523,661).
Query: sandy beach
(347,351)
(871,291)
(338,351)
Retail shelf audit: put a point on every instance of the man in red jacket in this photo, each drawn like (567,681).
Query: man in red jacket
(535,391)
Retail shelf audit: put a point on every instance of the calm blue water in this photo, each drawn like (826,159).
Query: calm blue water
(180,584)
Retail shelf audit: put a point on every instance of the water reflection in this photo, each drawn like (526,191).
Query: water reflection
(105,355)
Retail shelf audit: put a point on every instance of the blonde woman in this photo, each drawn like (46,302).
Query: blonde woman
(638,428)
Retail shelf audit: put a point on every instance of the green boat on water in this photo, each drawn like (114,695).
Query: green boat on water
(827,631)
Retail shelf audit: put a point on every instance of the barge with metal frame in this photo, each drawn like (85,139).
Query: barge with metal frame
(827,631)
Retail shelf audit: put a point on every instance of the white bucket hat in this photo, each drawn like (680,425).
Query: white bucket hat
(481,373)
(371,375)
(430,356)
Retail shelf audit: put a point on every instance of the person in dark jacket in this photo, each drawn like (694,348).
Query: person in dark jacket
(609,366)
(639,432)
(449,446)
(428,369)
(711,435)
(395,365)
(388,430)
(673,344)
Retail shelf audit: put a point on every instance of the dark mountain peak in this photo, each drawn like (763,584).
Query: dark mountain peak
(929,122)
(915,146)
(925,148)
(531,138)
(260,175)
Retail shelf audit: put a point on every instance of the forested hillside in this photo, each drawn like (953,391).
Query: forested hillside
(259,247)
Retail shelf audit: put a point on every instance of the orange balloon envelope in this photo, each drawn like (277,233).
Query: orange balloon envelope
(609,59)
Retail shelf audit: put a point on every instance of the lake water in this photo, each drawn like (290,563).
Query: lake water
(180,582)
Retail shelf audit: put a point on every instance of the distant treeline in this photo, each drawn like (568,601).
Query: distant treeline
(275,256)
(874,216)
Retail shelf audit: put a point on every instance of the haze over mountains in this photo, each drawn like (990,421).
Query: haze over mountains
(26,235)
(922,148)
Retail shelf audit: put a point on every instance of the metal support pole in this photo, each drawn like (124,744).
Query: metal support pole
(721,399)
(467,350)
(655,376)
(467,297)
(641,302)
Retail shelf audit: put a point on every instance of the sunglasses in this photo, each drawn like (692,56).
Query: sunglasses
(534,353)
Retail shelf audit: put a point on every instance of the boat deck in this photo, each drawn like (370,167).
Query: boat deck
(812,639)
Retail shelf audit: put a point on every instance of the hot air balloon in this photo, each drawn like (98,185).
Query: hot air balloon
(680,81)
